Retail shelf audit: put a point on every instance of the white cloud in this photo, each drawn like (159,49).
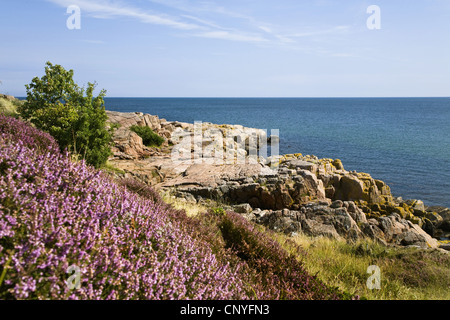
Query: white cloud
(204,22)
(197,19)
(266,29)
(226,35)
(110,9)
(334,30)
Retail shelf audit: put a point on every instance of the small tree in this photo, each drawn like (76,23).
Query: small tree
(71,114)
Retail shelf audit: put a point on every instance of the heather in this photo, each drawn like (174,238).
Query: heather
(56,213)
(126,241)
(268,271)
(12,130)
(280,274)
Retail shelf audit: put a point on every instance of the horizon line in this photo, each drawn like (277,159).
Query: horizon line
(274,97)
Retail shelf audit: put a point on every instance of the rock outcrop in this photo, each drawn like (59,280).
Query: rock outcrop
(8,97)
(344,220)
(296,193)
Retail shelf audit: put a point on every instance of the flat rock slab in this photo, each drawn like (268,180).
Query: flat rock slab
(303,165)
(208,175)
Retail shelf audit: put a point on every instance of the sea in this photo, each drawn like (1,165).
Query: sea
(403,141)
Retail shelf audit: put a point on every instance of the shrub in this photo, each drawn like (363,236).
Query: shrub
(149,138)
(14,129)
(56,213)
(280,275)
(142,189)
(218,211)
(72,115)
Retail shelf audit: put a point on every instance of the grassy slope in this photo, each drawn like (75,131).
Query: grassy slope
(406,273)
(126,242)
(8,107)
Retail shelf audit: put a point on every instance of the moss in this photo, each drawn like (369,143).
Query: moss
(414,219)
(433,216)
(108,167)
(338,164)
(401,211)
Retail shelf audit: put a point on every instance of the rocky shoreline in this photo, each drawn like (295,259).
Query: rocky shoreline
(288,193)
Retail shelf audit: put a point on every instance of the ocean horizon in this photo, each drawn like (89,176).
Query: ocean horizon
(402,141)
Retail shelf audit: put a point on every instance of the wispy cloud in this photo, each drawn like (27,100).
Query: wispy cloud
(199,19)
(204,22)
(94,41)
(111,9)
(329,31)
(226,35)
(195,26)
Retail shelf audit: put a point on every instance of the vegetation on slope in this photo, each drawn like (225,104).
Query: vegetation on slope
(71,114)
(56,213)
(9,106)
(406,273)
(149,138)
(126,242)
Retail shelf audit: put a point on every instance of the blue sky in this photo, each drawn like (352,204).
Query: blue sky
(232,48)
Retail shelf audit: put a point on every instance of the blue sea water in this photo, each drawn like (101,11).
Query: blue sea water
(402,141)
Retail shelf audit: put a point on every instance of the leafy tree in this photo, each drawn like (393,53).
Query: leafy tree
(71,114)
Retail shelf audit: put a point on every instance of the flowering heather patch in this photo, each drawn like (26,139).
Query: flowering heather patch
(55,213)
(267,270)
(127,243)
(14,130)
(276,274)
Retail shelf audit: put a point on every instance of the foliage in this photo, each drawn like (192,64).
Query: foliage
(149,138)
(77,119)
(281,274)
(219,211)
(56,213)
(41,142)
(266,270)
(9,107)
(406,273)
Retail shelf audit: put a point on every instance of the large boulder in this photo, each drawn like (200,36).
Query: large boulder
(319,219)
(350,188)
(314,219)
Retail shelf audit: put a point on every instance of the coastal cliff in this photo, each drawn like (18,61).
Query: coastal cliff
(288,193)
(316,231)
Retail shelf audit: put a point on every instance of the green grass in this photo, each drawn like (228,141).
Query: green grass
(8,107)
(406,273)
(108,167)
(191,209)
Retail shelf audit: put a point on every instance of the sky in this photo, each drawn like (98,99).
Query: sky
(231,48)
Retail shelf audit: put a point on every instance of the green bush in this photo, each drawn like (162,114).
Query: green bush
(218,211)
(72,115)
(149,138)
